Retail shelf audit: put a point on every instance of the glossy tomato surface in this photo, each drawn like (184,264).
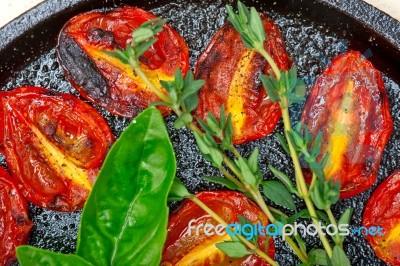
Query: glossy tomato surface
(383,209)
(348,104)
(184,248)
(231,73)
(105,80)
(54,145)
(15,224)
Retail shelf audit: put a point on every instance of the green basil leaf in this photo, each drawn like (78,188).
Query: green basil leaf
(222,181)
(339,257)
(279,194)
(318,256)
(233,249)
(28,255)
(124,221)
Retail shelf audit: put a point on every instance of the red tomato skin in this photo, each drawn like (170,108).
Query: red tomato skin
(229,205)
(218,64)
(14,219)
(383,209)
(368,125)
(105,31)
(79,137)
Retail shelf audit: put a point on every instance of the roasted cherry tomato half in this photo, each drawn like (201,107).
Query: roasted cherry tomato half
(105,80)
(348,104)
(15,224)
(196,247)
(383,210)
(54,145)
(231,73)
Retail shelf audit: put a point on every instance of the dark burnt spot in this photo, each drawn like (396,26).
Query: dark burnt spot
(88,144)
(59,203)
(81,69)
(11,262)
(102,37)
(50,128)
(21,219)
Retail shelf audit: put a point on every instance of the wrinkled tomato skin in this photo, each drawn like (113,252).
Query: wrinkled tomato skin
(54,146)
(348,104)
(231,73)
(383,209)
(105,80)
(182,249)
(15,224)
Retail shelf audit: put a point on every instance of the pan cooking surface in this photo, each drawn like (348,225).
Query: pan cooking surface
(312,42)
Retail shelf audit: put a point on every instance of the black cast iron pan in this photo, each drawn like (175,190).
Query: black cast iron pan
(315,32)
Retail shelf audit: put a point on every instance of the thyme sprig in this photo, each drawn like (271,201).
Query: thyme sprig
(284,87)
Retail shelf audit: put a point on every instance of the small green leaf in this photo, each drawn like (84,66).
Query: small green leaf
(244,13)
(217,157)
(118,54)
(345,219)
(301,243)
(213,124)
(283,143)
(228,132)
(339,257)
(191,102)
(253,161)
(303,214)
(316,145)
(179,122)
(145,46)
(279,194)
(204,126)
(222,117)
(318,170)
(257,25)
(233,249)
(284,179)
(187,117)
(318,256)
(178,79)
(178,191)
(232,18)
(324,161)
(269,88)
(142,34)
(203,145)
(297,140)
(247,174)
(346,216)
(222,181)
